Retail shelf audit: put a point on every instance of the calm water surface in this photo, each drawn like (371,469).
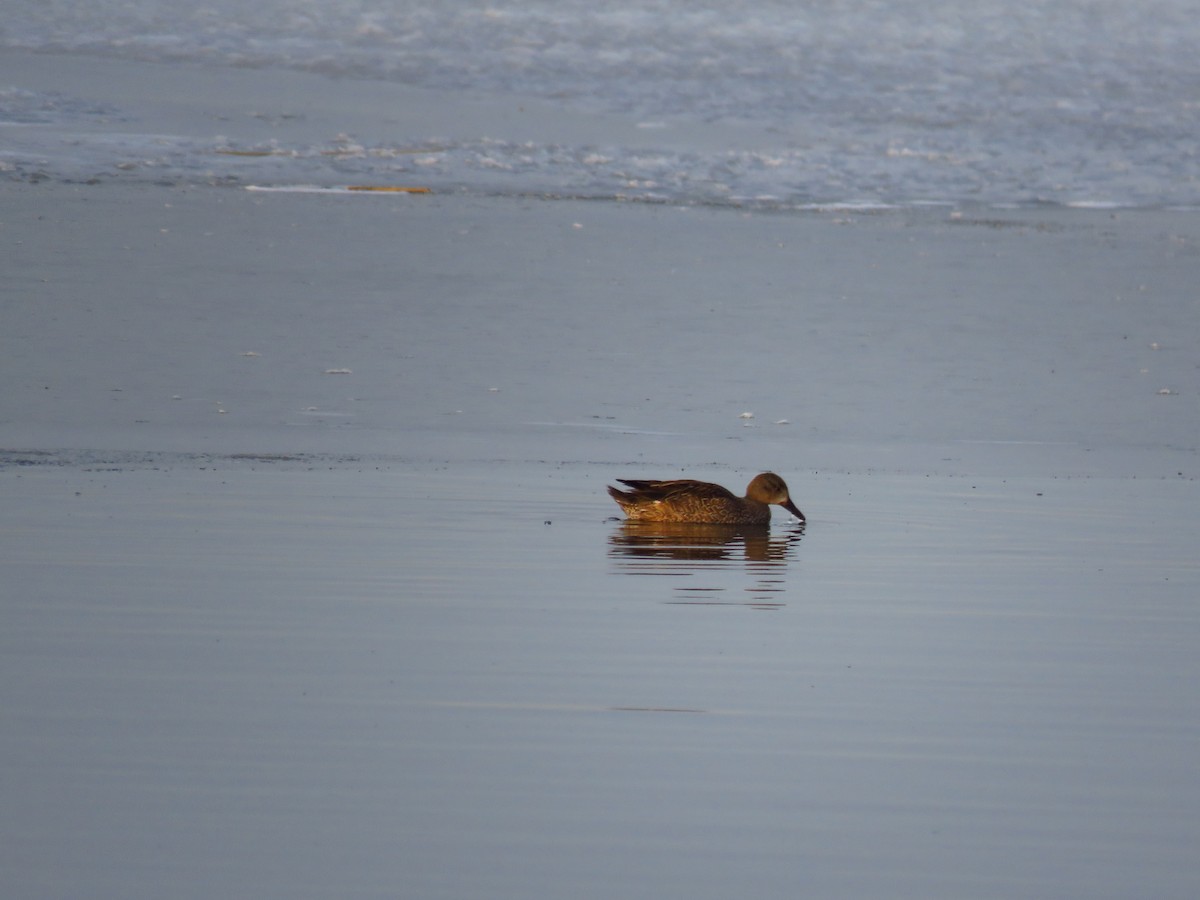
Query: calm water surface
(271,678)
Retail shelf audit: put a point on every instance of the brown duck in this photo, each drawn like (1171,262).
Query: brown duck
(703,503)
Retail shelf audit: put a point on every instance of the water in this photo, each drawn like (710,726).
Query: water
(310,584)
(379,634)
(763,104)
(371,680)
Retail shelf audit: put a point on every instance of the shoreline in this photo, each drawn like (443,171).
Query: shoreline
(184,122)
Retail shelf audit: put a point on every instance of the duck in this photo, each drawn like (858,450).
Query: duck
(703,503)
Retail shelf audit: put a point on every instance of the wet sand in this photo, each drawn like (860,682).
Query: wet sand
(313,589)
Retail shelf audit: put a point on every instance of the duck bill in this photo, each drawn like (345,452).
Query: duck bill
(791,507)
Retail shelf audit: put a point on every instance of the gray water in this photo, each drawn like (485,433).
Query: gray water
(763,104)
(279,686)
(309,583)
(311,586)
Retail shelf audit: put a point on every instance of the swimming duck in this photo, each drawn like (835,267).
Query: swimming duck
(701,502)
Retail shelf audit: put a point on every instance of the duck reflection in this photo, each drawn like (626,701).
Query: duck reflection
(714,552)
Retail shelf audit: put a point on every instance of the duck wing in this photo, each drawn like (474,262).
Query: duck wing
(664,490)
